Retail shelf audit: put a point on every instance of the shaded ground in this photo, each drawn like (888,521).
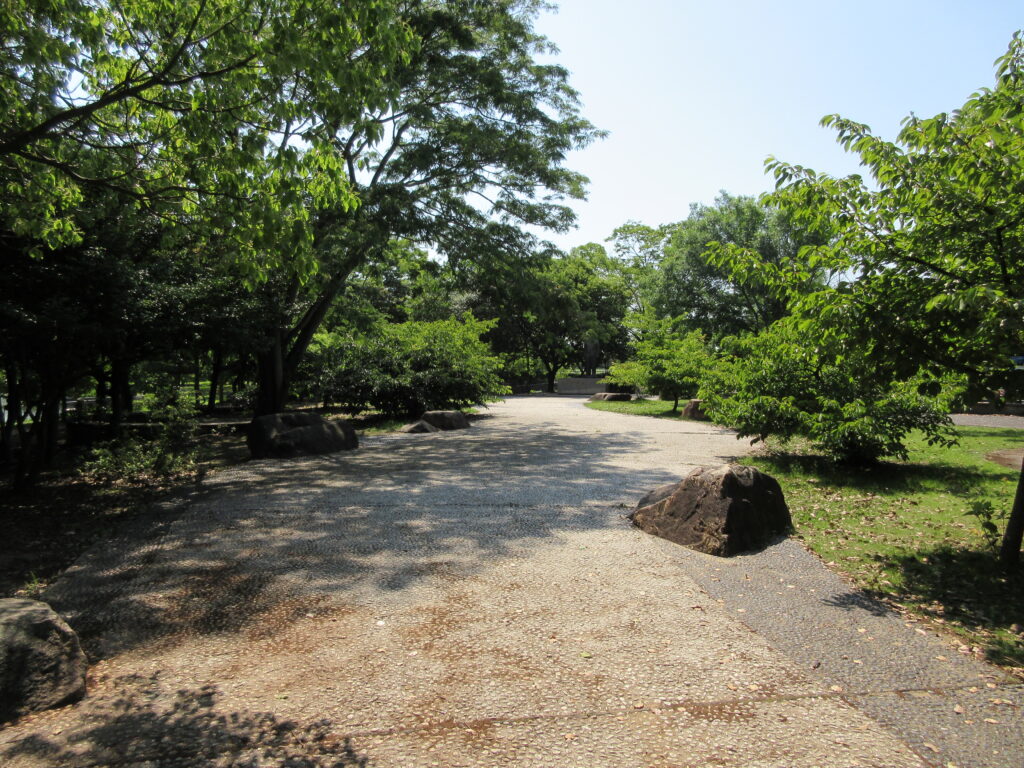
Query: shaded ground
(1010,457)
(473,598)
(48,526)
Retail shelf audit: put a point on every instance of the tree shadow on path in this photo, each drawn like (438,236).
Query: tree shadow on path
(269,542)
(139,724)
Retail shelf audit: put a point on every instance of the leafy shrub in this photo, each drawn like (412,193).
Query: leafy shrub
(664,361)
(134,461)
(787,382)
(405,368)
(988,516)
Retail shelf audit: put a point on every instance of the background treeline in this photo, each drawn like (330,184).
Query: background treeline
(201,192)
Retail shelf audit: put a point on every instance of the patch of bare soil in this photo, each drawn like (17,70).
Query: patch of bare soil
(1010,457)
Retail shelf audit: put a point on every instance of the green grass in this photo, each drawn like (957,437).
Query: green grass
(374,423)
(382,426)
(903,532)
(661,409)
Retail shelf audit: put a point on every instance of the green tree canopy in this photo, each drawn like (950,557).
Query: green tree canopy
(664,361)
(932,248)
(469,150)
(704,294)
(200,108)
(575,311)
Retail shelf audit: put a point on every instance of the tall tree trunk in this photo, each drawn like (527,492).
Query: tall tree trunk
(12,416)
(102,392)
(38,443)
(271,387)
(197,383)
(5,432)
(25,466)
(49,428)
(279,362)
(1009,552)
(216,368)
(551,374)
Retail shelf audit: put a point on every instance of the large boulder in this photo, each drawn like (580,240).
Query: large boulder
(720,511)
(283,435)
(42,664)
(419,427)
(446,419)
(613,396)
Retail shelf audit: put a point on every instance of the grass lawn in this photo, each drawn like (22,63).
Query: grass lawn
(902,530)
(661,409)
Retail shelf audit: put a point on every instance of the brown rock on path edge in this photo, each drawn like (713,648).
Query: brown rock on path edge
(446,419)
(419,427)
(720,511)
(41,662)
(287,435)
(612,396)
(695,410)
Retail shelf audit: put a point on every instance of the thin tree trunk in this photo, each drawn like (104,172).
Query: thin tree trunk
(25,467)
(8,417)
(102,391)
(37,443)
(1009,552)
(49,429)
(5,433)
(197,383)
(121,399)
(215,373)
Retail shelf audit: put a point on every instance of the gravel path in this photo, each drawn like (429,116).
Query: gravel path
(477,598)
(999,420)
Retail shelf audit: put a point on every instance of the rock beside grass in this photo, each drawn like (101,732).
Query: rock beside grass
(419,427)
(719,511)
(612,396)
(42,664)
(693,410)
(285,435)
(446,420)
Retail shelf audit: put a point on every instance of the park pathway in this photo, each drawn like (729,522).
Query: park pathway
(477,598)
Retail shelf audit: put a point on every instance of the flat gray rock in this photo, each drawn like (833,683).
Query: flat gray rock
(446,420)
(287,435)
(419,427)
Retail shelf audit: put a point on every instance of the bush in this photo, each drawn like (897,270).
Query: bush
(406,368)
(142,462)
(788,382)
(664,361)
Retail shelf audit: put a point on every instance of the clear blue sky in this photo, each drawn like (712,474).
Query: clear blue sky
(697,94)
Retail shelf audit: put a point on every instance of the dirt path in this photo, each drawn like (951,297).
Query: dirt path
(463,599)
